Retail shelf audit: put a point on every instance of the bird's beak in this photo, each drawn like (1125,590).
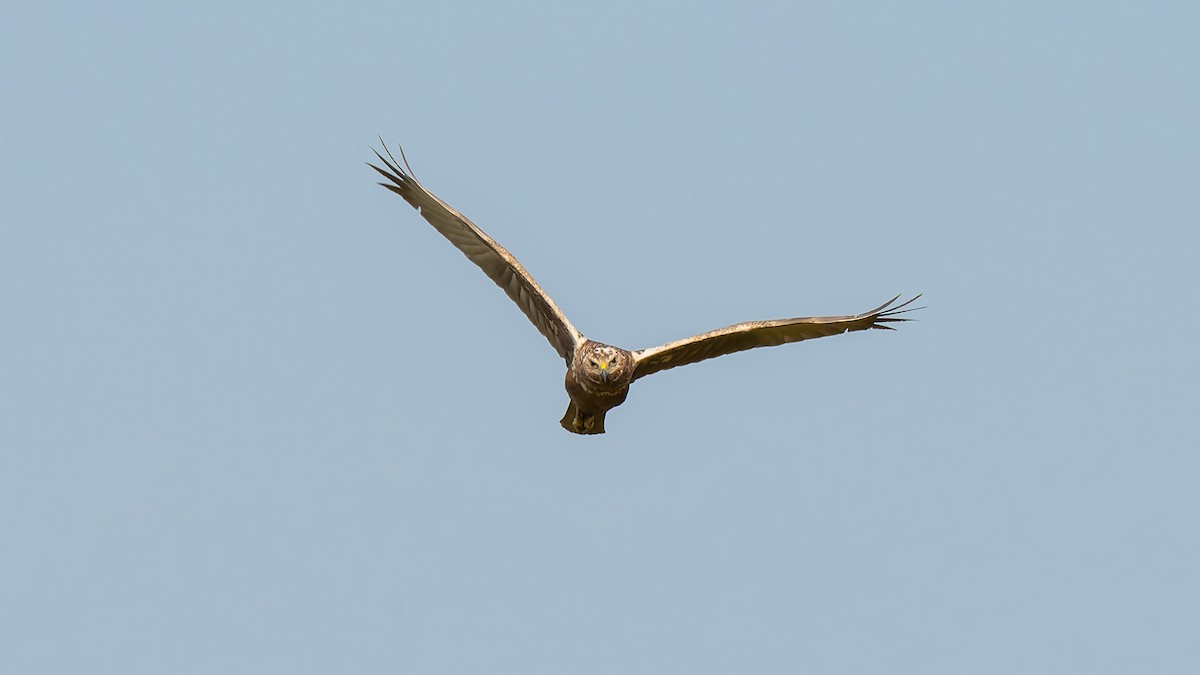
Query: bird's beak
(604,372)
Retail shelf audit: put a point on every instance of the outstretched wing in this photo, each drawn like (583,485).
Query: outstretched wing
(495,261)
(749,335)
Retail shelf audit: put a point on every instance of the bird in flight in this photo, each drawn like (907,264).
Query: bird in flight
(599,375)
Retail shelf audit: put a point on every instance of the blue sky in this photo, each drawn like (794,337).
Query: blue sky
(257,416)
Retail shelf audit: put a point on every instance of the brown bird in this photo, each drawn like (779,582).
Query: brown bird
(599,375)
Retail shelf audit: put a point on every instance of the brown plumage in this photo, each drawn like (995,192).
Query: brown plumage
(598,375)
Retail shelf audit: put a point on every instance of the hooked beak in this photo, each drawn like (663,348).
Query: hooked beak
(604,372)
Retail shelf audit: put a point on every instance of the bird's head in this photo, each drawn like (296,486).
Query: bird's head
(606,365)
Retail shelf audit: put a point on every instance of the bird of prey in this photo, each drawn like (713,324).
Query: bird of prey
(599,375)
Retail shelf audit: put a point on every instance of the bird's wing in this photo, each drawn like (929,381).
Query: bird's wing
(495,261)
(749,335)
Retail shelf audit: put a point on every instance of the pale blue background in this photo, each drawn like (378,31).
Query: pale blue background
(257,417)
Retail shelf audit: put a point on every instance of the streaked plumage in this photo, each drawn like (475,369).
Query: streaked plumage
(598,375)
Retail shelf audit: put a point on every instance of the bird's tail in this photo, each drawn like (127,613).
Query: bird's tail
(575,423)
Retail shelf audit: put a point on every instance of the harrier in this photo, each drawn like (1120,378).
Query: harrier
(599,375)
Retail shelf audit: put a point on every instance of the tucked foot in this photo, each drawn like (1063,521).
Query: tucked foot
(581,423)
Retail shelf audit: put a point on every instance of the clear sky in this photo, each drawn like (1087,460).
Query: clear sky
(256,416)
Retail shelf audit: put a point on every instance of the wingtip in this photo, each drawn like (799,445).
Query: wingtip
(900,308)
(888,311)
(393,164)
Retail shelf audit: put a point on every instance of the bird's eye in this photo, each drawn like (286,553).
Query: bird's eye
(593,364)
